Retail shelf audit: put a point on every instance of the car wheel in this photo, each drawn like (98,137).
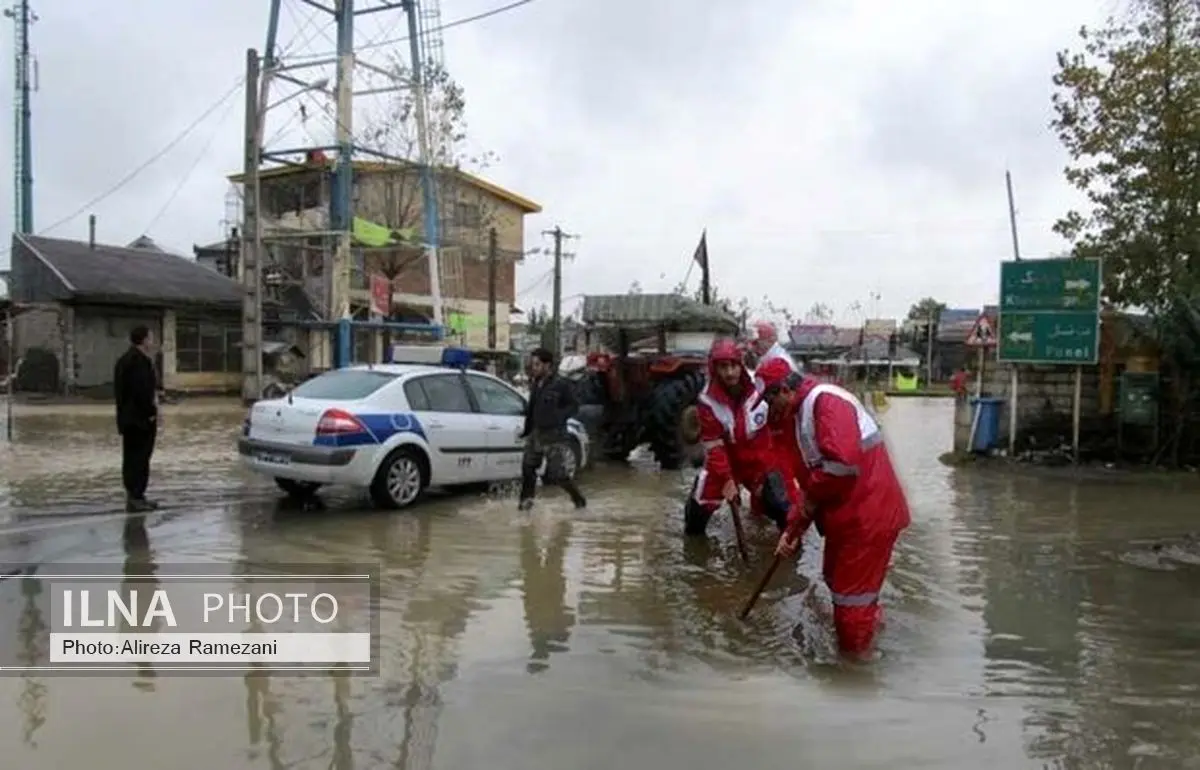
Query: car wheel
(400,480)
(297,489)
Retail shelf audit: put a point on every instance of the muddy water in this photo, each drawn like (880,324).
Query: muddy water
(1033,621)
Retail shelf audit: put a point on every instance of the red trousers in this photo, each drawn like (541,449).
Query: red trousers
(855,568)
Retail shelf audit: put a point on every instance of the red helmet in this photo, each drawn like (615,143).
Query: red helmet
(724,349)
(774,373)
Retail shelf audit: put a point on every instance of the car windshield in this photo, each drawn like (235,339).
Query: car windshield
(344,385)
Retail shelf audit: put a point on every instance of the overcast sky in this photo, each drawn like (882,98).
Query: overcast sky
(836,150)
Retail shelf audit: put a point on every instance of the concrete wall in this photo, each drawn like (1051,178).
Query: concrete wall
(101,336)
(1044,393)
(92,338)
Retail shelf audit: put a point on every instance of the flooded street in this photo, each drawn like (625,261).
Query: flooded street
(1032,621)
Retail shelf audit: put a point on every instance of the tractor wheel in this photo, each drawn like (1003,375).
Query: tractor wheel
(666,417)
(619,445)
(589,389)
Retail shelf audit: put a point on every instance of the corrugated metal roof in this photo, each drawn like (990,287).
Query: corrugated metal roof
(654,309)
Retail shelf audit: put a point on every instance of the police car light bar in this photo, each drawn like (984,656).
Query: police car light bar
(431,355)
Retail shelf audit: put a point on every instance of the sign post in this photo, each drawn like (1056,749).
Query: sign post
(981,337)
(1050,314)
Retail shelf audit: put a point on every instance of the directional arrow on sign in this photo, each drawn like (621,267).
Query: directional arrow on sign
(1082,284)
(1021,337)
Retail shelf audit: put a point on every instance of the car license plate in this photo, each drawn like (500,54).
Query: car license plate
(272,458)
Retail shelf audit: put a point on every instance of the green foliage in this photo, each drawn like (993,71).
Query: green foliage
(925,309)
(1126,110)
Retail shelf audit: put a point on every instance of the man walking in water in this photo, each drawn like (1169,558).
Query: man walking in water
(551,404)
(135,389)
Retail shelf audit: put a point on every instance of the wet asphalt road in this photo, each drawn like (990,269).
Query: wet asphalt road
(1032,622)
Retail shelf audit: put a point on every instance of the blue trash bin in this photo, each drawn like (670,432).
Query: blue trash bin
(986,419)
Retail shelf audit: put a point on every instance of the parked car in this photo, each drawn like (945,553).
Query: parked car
(394,430)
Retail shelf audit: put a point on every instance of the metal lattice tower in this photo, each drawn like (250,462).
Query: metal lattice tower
(429,21)
(430,53)
(24,83)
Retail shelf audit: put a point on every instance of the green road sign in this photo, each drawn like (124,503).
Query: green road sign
(1068,338)
(1049,285)
(1050,311)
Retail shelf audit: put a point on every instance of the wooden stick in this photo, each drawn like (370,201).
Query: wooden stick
(762,586)
(792,530)
(738,533)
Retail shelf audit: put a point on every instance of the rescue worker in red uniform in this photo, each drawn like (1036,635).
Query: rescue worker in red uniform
(852,493)
(766,346)
(737,445)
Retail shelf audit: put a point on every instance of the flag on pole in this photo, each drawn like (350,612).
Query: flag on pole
(701,255)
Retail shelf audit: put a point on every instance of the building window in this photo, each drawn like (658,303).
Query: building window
(467,215)
(203,346)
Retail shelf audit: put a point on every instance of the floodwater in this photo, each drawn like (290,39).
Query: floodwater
(1033,621)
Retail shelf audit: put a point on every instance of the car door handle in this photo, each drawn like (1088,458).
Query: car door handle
(494,427)
(435,425)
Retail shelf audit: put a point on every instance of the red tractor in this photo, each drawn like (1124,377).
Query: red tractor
(643,387)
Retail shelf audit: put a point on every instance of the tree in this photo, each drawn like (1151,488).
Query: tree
(1125,110)
(819,313)
(393,131)
(926,309)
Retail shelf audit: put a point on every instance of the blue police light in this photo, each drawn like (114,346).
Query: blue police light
(457,358)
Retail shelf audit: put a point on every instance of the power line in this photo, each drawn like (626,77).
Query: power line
(151,160)
(441,28)
(183,180)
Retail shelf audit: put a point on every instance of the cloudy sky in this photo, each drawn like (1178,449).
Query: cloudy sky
(838,151)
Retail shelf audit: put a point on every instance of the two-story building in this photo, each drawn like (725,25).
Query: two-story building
(295,201)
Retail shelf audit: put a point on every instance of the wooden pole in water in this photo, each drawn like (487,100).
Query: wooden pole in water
(1077,412)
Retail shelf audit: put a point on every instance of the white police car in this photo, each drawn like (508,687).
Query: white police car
(393,429)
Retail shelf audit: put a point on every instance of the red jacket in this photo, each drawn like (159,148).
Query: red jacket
(848,476)
(735,437)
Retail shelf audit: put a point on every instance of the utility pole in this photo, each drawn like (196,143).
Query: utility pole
(1014,378)
(556,341)
(23,71)
(493,256)
(929,350)
(250,262)
(1012,217)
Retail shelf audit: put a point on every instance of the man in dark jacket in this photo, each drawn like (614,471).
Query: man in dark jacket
(135,388)
(551,404)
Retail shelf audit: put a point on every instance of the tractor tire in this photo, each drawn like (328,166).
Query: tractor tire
(589,390)
(664,426)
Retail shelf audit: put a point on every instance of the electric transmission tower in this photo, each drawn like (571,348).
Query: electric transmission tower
(316,65)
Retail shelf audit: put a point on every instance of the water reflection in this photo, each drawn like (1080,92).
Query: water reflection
(1097,648)
(544,591)
(137,586)
(33,631)
(1029,624)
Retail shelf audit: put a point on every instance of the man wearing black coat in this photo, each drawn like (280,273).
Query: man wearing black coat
(551,403)
(135,388)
